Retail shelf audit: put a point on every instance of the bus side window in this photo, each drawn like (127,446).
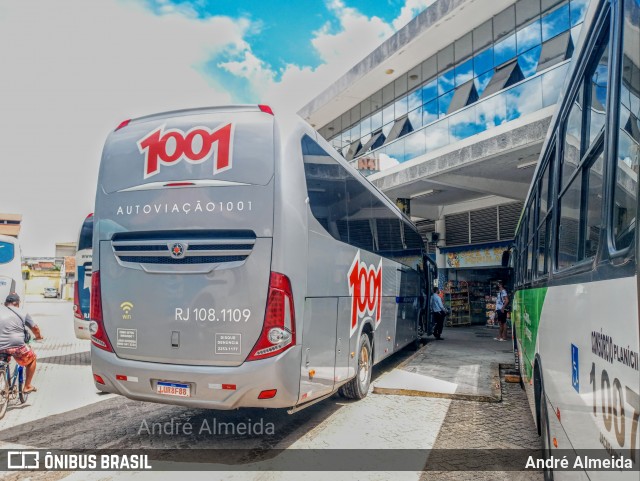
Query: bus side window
(545,215)
(581,188)
(628,151)
(326,187)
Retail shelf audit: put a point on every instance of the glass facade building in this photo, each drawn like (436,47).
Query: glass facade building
(511,65)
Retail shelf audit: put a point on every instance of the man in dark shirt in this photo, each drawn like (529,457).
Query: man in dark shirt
(13,324)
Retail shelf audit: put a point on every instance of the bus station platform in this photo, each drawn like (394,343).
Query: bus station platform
(465,365)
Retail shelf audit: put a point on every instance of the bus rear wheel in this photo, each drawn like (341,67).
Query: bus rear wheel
(358,387)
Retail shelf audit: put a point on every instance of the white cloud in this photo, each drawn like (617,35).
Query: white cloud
(72,71)
(250,67)
(358,36)
(70,74)
(387,162)
(339,49)
(411,9)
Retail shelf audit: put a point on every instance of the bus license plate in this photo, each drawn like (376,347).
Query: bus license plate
(173,389)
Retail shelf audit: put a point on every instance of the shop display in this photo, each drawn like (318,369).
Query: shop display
(491,303)
(457,301)
(471,295)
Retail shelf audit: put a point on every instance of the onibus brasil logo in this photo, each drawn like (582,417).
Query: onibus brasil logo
(365,289)
(169,147)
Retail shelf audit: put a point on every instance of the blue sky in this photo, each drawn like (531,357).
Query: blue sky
(74,70)
(284,29)
(284,37)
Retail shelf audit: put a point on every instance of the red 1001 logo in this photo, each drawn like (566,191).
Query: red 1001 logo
(168,147)
(365,289)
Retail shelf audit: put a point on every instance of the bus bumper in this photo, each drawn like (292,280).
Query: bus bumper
(212,387)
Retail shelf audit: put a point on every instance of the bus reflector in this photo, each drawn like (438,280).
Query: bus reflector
(77,312)
(99,337)
(98,379)
(124,123)
(121,377)
(179,184)
(279,327)
(558,413)
(268,394)
(229,387)
(555,443)
(266,109)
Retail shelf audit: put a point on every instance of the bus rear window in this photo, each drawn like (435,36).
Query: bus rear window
(6,252)
(86,235)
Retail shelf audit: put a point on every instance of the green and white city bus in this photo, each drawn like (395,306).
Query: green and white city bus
(575,302)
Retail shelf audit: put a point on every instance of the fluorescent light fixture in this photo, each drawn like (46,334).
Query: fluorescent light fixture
(528,165)
(426,193)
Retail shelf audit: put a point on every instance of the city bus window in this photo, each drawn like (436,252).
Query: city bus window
(580,198)
(542,249)
(530,259)
(544,215)
(569,228)
(594,207)
(597,88)
(626,177)
(572,140)
(532,216)
(543,189)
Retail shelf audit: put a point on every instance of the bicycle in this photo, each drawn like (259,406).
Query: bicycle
(11,385)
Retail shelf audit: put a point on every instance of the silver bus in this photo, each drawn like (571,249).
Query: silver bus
(239,261)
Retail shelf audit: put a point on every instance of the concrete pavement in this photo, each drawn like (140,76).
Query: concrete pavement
(63,374)
(465,365)
(68,413)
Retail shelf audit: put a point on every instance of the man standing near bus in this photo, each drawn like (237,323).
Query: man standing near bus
(438,312)
(502,301)
(13,325)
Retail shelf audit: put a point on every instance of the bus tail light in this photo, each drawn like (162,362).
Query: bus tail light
(97,378)
(98,334)
(279,328)
(77,312)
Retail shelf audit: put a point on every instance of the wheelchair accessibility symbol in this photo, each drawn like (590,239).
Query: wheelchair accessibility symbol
(575,368)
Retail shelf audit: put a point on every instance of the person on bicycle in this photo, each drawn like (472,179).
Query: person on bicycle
(13,325)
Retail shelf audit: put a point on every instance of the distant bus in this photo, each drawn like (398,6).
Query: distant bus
(575,307)
(240,261)
(82,286)
(10,267)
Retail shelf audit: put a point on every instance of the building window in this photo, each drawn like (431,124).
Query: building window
(519,42)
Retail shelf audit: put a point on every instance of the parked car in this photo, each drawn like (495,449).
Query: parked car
(50,292)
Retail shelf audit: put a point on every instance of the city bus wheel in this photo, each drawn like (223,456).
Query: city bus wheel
(546,435)
(358,387)
(4,392)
